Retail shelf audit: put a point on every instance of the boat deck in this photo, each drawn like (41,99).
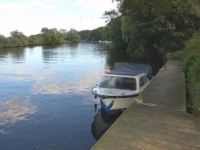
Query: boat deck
(162,126)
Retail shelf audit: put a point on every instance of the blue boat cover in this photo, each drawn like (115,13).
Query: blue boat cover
(132,69)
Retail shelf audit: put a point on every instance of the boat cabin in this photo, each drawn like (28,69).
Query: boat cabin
(132,83)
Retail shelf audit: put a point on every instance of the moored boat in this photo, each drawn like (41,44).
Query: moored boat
(118,88)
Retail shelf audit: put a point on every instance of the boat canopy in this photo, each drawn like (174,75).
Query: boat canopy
(132,69)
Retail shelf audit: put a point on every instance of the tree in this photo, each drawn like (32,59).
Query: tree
(95,35)
(51,36)
(109,15)
(18,38)
(44,29)
(73,36)
(115,32)
(35,39)
(114,28)
(2,41)
(84,34)
(153,28)
(195,5)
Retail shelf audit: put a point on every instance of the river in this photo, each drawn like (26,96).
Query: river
(45,98)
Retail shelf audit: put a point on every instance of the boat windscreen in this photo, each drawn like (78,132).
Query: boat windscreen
(123,83)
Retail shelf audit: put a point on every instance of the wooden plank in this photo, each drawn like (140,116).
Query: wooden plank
(143,124)
(133,143)
(110,145)
(99,148)
(160,133)
(162,122)
(179,116)
(131,137)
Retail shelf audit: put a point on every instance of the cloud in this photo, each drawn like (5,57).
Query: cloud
(43,5)
(33,25)
(14,8)
(79,2)
(19,8)
(96,5)
(54,1)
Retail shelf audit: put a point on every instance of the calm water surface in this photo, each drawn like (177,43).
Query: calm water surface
(45,99)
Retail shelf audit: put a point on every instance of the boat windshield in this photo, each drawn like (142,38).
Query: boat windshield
(123,83)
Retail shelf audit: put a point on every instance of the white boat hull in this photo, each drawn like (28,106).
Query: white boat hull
(114,105)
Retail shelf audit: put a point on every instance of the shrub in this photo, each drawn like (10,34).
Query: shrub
(191,66)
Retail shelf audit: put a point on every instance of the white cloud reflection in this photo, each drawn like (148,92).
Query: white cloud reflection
(81,83)
(13,110)
(47,81)
(3,131)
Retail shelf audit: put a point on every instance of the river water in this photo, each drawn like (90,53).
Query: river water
(45,99)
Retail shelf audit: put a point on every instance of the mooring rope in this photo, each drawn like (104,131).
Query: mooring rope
(145,104)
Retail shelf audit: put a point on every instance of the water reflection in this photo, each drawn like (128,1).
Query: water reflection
(102,122)
(17,54)
(50,53)
(15,109)
(76,82)
(70,52)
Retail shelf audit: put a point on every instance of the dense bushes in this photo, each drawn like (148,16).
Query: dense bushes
(191,65)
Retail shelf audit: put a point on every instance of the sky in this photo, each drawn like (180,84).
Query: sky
(30,16)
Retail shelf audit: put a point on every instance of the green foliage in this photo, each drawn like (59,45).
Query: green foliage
(18,38)
(191,65)
(154,28)
(35,40)
(98,34)
(115,32)
(2,41)
(47,36)
(84,35)
(52,36)
(105,36)
(73,36)
(109,15)
(177,55)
